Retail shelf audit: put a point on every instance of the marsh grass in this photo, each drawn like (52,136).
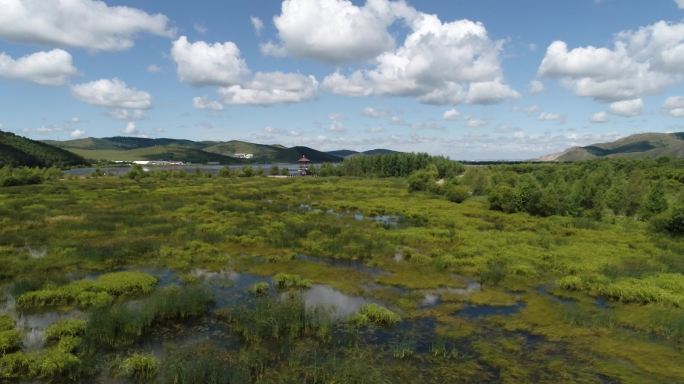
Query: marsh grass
(123,325)
(373,314)
(89,293)
(289,281)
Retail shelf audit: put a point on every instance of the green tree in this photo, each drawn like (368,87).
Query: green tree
(655,201)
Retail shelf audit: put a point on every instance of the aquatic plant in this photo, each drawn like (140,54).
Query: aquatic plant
(260,288)
(10,341)
(203,364)
(122,325)
(288,281)
(66,327)
(373,314)
(90,293)
(138,367)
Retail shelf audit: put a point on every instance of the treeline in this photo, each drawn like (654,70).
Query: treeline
(20,151)
(390,165)
(11,176)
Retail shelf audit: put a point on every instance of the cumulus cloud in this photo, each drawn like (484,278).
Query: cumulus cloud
(535,87)
(599,118)
(268,88)
(639,63)
(153,68)
(439,63)
(78,23)
(77,133)
(451,114)
(336,30)
(674,106)
(206,103)
(373,112)
(257,24)
(549,116)
(680,3)
(627,108)
(46,68)
(473,122)
(201,64)
(112,93)
(127,114)
(336,123)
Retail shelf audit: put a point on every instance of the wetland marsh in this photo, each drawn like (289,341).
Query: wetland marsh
(326,280)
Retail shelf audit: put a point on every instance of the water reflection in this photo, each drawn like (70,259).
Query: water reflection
(339,304)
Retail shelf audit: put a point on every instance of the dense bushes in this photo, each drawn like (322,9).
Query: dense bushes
(373,314)
(391,165)
(10,176)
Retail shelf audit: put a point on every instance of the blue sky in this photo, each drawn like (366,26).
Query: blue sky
(468,79)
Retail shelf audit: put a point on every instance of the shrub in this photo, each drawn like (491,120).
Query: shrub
(422,179)
(571,283)
(456,193)
(6,323)
(373,314)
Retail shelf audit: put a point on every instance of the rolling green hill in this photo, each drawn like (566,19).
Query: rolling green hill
(649,145)
(133,148)
(20,151)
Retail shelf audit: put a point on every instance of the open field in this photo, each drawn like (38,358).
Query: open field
(230,280)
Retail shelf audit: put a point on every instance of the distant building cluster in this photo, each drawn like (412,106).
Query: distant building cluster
(157,162)
(243,155)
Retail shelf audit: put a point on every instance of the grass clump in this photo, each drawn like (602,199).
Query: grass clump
(373,314)
(139,368)
(90,293)
(203,364)
(122,325)
(260,288)
(65,328)
(10,341)
(288,281)
(276,320)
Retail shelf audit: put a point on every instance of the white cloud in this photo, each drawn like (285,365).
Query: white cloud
(375,129)
(337,30)
(336,124)
(268,88)
(77,23)
(153,68)
(200,28)
(439,63)
(531,110)
(627,108)
(674,105)
(131,129)
(473,122)
(451,114)
(76,133)
(680,4)
(75,120)
(549,116)
(257,24)
(112,93)
(127,114)
(202,64)
(46,68)
(641,62)
(599,118)
(536,86)
(206,103)
(373,112)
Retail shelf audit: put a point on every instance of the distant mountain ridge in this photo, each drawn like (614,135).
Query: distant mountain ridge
(20,151)
(642,145)
(121,148)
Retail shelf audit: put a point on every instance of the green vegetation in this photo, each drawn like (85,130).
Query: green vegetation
(591,252)
(138,367)
(19,151)
(10,176)
(288,281)
(373,314)
(85,293)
